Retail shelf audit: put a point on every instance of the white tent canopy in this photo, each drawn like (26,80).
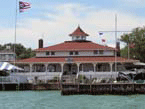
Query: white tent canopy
(8,66)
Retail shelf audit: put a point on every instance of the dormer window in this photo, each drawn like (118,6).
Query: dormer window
(47,53)
(101,52)
(95,51)
(83,37)
(52,53)
(71,53)
(77,37)
(73,38)
(76,53)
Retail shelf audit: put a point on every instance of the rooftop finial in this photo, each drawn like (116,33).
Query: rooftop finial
(78,25)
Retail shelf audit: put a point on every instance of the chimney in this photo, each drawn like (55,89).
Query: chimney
(118,48)
(40,43)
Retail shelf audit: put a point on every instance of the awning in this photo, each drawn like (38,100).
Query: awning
(139,63)
(8,66)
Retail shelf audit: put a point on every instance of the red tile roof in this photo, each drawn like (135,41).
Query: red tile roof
(76,59)
(73,45)
(78,32)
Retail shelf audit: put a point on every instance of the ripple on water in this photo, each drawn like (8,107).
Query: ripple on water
(54,100)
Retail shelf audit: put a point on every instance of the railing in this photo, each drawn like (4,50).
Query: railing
(8,79)
(91,79)
(80,77)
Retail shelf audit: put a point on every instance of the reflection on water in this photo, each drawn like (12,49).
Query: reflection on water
(54,100)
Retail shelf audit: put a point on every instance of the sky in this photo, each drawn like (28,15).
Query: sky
(54,20)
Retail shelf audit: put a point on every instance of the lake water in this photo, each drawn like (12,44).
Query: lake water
(54,100)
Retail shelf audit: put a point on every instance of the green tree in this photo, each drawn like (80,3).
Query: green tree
(27,54)
(1,47)
(124,52)
(20,50)
(137,37)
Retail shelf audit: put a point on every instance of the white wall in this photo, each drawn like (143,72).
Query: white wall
(7,57)
(40,54)
(81,53)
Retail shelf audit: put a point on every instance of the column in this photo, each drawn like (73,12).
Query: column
(82,67)
(46,67)
(111,65)
(31,69)
(94,64)
(111,69)
(78,65)
(46,72)
(60,76)
(62,64)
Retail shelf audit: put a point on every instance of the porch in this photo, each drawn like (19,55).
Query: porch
(49,71)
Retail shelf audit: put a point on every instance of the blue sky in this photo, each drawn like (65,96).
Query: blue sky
(54,20)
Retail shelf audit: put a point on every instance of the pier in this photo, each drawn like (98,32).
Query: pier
(103,88)
(28,86)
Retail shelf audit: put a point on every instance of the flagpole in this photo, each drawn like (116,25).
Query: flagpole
(115,42)
(128,50)
(15,32)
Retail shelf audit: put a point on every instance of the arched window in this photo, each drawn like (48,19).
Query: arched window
(102,67)
(51,68)
(86,67)
(38,68)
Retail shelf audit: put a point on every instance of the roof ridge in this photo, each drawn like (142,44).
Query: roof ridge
(78,31)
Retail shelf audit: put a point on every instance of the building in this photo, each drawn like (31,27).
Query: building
(7,55)
(78,56)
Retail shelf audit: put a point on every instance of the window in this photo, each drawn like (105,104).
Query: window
(76,53)
(83,37)
(71,53)
(103,67)
(47,53)
(77,37)
(101,52)
(95,51)
(51,68)
(52,53)
(73,38)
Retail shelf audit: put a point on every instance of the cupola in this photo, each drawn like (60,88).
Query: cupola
(78,35)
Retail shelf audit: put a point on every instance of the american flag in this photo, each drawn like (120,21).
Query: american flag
(100,33)
(103,40)
(23,6)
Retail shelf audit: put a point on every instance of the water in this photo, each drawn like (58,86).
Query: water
(54,100)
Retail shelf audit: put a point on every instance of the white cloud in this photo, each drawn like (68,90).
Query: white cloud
(65,21)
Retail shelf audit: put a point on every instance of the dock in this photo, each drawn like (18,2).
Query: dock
(102,88)
(28,86)
(15,86)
